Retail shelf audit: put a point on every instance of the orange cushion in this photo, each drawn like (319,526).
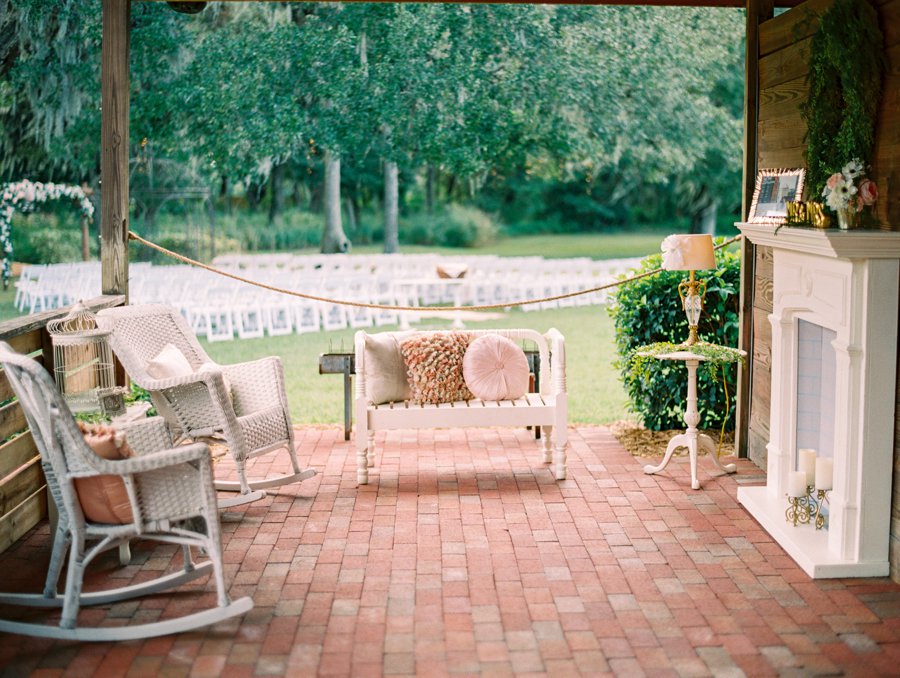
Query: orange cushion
(104,499)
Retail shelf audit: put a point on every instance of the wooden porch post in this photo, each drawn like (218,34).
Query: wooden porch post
(115,102)
(757,12)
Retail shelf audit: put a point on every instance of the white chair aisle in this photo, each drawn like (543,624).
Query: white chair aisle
(222,309)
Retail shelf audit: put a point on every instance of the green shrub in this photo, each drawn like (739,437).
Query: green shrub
(47,246)
(454,226)
(291,230)
(417,229)
(647,311)
(462,226)
(48,237)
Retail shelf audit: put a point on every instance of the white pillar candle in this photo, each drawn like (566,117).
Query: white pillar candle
(806,462)
(796,484)
(824,473)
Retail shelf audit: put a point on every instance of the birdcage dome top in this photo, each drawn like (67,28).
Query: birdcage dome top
(79,322)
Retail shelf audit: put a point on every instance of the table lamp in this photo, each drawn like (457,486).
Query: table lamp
(690,253)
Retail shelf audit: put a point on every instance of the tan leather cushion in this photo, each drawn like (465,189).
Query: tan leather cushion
(104,499)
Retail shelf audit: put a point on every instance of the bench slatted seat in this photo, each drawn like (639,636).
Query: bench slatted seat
(547,409)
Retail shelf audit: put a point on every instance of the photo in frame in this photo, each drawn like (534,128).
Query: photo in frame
(774,189)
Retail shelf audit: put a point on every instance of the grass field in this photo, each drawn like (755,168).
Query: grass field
(595,392)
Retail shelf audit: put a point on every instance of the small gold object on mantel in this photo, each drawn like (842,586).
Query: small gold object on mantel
(806,213)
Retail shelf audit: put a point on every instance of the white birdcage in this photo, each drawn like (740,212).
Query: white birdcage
(83,363)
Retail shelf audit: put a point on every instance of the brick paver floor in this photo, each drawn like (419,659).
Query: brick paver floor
(464,556)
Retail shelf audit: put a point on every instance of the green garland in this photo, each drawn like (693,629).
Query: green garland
(714,355)
(845,70)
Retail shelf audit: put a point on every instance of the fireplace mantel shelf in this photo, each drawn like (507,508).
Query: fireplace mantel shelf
(856,244)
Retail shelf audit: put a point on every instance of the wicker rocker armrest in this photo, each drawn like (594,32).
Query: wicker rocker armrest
(173,382)
(255,373)
(151,462)
(147,436)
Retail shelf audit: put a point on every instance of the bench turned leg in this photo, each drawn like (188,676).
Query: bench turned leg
(370,453)
(560,458)
(362,461)
(547,443)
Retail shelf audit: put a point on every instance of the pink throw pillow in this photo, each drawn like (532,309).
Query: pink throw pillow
(434,366)
(495,368)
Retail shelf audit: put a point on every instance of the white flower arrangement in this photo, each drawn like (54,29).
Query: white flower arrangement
(849,189)
(22,196)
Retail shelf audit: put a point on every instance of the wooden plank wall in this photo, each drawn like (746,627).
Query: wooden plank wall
(23,495)
(783,65)
(23,489)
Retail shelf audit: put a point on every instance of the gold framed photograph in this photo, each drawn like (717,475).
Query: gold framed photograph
(774,189)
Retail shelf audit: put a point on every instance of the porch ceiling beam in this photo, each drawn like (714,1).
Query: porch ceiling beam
(646,3)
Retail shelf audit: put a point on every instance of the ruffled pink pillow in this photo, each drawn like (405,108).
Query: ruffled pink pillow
(495,368)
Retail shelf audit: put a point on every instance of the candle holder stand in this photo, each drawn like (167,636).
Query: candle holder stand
(810,508)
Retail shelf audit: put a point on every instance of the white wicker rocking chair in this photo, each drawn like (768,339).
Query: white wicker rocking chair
(253,419)
(165,487)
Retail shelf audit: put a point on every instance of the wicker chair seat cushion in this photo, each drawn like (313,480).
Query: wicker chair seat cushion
(169,363)
(386,380)
(104,498)
(495,368)
(434,366)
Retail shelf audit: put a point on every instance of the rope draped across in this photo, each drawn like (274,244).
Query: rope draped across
(387,307)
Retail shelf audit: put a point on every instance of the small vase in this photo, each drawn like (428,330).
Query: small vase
(846,218)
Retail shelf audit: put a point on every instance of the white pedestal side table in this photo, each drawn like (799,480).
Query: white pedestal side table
(692,439)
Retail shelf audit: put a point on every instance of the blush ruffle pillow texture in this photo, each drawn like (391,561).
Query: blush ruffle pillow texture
(104,499)
(495,368)
(434,366)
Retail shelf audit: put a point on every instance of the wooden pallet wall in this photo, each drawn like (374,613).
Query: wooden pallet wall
(783,64)
(23,489)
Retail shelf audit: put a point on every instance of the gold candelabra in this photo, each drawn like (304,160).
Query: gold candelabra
(810,508)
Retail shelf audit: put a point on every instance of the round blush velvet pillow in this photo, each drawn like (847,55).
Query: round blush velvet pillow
(495,368)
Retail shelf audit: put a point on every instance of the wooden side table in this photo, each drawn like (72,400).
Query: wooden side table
(692,439)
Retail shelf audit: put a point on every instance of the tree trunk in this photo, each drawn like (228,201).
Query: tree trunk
(276,186)
(708,217)
(391,207)
(352,221)
(333,238)
(430,182)
(85,240)
(704,213)
(211,216)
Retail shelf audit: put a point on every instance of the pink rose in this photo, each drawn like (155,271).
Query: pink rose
(834,179)
(868,192)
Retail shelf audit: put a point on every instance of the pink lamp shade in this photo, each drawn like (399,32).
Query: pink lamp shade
(683,252)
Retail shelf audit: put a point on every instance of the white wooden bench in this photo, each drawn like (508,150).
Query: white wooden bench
(547,409)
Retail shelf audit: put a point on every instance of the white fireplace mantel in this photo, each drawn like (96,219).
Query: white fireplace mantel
(846,282)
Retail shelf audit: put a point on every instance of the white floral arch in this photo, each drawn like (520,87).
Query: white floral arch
(23,196)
